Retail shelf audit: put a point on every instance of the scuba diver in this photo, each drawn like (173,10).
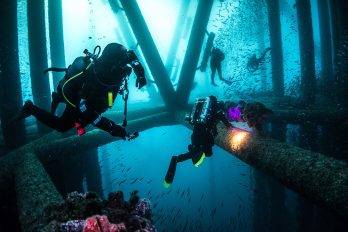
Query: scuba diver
(88,89)
(205,115)
(254,63)
(217,56)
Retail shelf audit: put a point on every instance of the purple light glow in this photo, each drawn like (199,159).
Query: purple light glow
(234,113)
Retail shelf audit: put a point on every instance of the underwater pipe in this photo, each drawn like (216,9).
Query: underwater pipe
(319,178)
(317,116)
(54,145)
(9,162)
(34,188)
(96,138)
(321,116)
(34,192)
(117,116)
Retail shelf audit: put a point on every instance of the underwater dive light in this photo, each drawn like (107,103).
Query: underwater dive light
(238,137)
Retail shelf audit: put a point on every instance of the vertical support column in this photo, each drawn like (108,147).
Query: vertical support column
(126,31)
(305,211)
(206,55)
(276,46)
(339,19)
(261,215)
(326,48)
(334,16)
(304,215)
(277,197)
(150,51)
(261,39)
(92,172)
(10,84)
(305,29)
(177,36)
(55,16)
(193,51)
(74,173)
(38,55)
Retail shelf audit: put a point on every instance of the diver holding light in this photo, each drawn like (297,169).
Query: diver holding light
(205,115)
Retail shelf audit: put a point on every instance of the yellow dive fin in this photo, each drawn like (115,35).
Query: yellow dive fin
(166,185)
(200,161)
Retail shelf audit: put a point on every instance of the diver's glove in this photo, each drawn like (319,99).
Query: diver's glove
(118,131)
(131,56)
(132,136)
(140,82)
(138,69)
(140,73)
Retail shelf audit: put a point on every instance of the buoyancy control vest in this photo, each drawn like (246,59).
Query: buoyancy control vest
(97,80)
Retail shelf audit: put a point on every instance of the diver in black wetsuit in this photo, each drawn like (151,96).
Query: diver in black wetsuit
(217,56)
(204,117)
(254,63)
(88,89)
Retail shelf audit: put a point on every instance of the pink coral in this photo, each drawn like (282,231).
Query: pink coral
(117,227)
(100,223)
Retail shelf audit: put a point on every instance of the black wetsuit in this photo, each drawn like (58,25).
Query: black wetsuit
(202,141)
(72,89)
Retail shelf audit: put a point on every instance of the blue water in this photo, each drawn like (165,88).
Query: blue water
(222,183)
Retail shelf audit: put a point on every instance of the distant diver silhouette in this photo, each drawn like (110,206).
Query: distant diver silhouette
(254,63)
(217,56)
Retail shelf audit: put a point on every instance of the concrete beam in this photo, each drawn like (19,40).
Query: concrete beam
(34,192)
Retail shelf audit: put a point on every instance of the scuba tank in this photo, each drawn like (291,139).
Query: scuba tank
(78,67)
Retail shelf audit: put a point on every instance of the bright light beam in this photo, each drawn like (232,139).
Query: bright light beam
(238,138)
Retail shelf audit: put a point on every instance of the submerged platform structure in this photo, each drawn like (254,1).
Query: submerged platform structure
(319,178)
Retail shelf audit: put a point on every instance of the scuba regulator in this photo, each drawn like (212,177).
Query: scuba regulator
(93,56)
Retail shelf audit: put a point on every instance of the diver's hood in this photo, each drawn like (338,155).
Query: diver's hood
(111,65)
(113,54)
